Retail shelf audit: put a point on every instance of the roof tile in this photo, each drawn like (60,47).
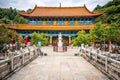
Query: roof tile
(59,12)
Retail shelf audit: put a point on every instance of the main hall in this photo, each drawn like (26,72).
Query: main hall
(54,20)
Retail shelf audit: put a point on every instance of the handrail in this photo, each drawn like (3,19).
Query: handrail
(4,61)
(106,64)
(9,65)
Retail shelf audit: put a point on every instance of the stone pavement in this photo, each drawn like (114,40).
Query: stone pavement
(59,66)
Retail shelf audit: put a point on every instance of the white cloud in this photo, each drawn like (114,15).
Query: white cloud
(26,4)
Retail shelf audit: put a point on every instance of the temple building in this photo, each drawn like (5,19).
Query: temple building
(54,20)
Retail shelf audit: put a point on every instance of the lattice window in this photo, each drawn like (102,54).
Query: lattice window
(81,22)
(60,22)
(71,22)
(49,22)
(32,22)
(39,22)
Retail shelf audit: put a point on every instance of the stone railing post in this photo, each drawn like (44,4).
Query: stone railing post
(90,55)
(29,52)
(35,49)
(85,53)
(96,56)
(106,62)
(39,51)
(12,63)
(23,56)
(81,51)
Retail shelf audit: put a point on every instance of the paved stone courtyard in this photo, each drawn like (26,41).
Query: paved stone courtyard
(59,66)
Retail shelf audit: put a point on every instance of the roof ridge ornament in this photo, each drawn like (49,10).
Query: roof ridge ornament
(60,5)
(84,5)
(35,5)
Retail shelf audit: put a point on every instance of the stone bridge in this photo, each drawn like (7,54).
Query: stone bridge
(59,66)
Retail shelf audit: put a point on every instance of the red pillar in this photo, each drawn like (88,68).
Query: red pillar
(27,40)
(12,42)
(109,43)
(94,41)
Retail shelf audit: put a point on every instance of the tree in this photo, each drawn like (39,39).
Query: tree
(102,34)
(81,38)
(97,7)
(5,20)
(8,15)
(99,32)
(7,35)
(18,19)
(113,33)
(111,12)
(29,10)
(35,37)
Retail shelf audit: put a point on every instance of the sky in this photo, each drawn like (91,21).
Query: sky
(30,4)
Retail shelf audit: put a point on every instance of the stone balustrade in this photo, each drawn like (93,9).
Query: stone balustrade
(105,63)
(17,60)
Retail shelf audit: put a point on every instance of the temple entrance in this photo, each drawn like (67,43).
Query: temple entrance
(65,40)
(54,41)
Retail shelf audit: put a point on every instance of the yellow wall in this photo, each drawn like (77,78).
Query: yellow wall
(54,22)
(66,23)
(44,22)
(76,23)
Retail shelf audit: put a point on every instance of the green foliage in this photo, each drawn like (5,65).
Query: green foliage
(113,33)
(29,10)
(98,7)
(111,12)
(81,38)
(111,16)
(102,33)
(113,2)
(5,20)
(6,35)
(99,32)
(117,39)
(9,16)
(35,37)
(19,19)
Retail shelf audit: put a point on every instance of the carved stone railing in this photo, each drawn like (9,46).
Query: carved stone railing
(17,60)
(107,65)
